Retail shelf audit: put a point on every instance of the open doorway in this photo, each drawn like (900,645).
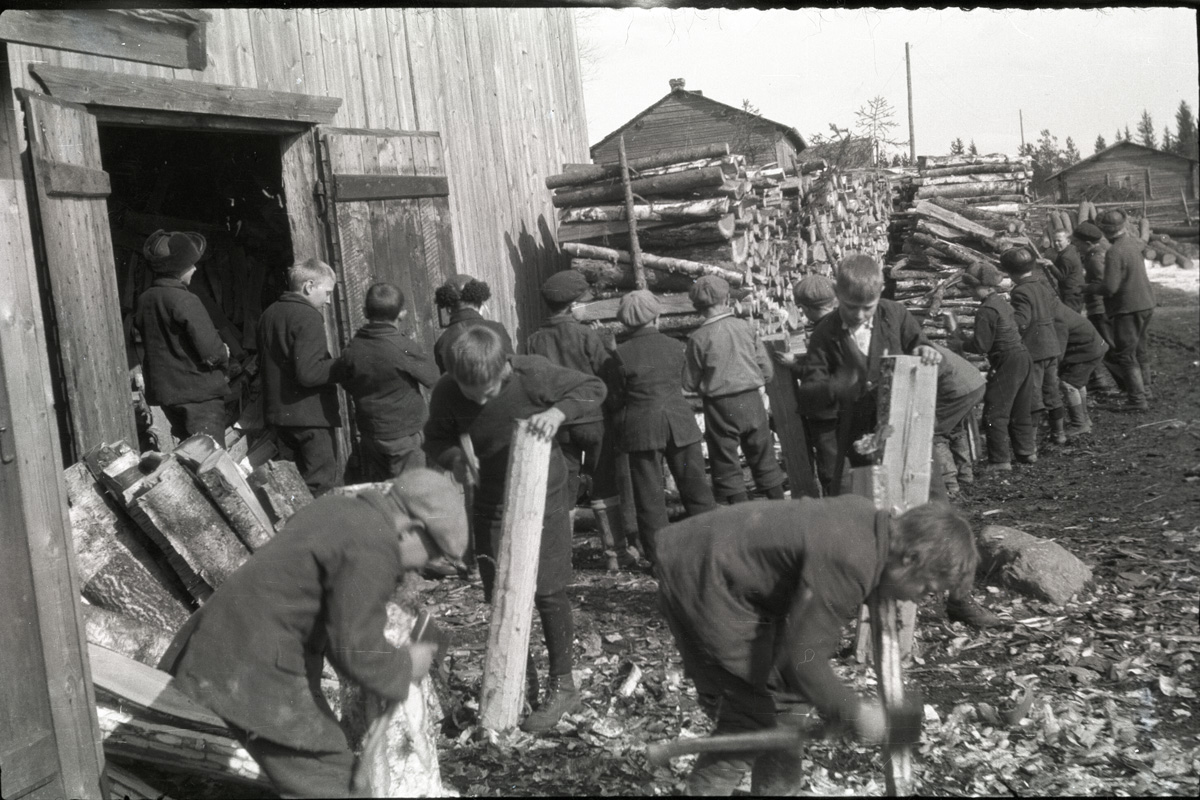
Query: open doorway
(226,186)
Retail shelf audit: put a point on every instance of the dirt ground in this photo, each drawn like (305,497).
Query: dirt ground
(1097,697)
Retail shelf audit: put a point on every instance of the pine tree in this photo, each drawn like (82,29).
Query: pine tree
(1128,136)
(1168,143)
(1100,143)
(957,148)
(1070,153)
(1185,131)
(1146,130)
(972,150)
(1117,136)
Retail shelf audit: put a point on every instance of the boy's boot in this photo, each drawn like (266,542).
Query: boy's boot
(960,450)
(1036,418)
(606,522)
(1136,400)
(962,607)
(717,774)
(945,464)
(1080,422)
(1102,383)
(1058,433)
(561,698)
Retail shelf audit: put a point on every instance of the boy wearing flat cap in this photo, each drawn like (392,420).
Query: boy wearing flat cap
(587,444)
(726,364)
(653,419)
(253,653)
(184,357)
(1129,303)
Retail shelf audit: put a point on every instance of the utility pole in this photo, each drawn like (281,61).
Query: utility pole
(1022,117)
(912,141)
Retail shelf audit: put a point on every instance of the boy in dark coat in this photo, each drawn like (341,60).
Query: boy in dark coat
(298,374)
(1033,303)
(482,396)
(253,653)
(1067,270)
(757,596)
(653,419)
(726,364)
(184,356)
(463,297)
(1081,356)
(1007,417)
(960,388)
(587,444)
(1129,303)
(384,370)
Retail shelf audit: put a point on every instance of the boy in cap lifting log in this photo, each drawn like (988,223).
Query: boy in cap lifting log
(184,356)
(756,597)
(726,364)
(1129,302)
(653,419)
(253,653)
(587,443)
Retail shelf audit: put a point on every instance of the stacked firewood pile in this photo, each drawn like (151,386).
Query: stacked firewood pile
(703,211)
(958,211)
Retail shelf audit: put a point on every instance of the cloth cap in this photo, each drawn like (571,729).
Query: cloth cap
(814,290)
(437,502)
(1017,261)
(174,251)
(637,308)
(982,274)
(708,290)
(565,287)
(1088,232)
(1111,220)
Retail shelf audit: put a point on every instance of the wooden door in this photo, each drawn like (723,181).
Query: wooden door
(29,765)
(77,248)
(388,219)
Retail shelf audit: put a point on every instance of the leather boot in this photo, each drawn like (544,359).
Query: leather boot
(965,609)
(1081,423)
(561,698)
(944,460)
(1058,418)
(605,521)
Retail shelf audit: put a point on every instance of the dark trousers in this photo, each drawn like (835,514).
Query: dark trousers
(733,420)
(1077,375)
(686,463)
(1101,324)
(315,454)
(188,419)
(553,575)
(588,449)
(950,413)
(301,773)
(383,459)
(1128,356)
(1044,374)
(823,450)
(1007,405)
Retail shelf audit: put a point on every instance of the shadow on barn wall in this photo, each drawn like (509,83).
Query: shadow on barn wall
(533,259)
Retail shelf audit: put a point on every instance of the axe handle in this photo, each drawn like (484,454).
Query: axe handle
(754,741)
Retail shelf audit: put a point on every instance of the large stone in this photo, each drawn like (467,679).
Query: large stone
(1035,567)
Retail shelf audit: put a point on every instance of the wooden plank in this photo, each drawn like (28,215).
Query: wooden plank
(312,54)
(105,33)
(299,176)
(123,634)
(123,783)
(242,45)
(116,566)
(789,427)
(276,49)
(343,73)
(144,687)
(387,187)
(128,91)
(503,689)
(70,180)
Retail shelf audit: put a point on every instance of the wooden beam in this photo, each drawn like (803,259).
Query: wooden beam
(176,43)
(693,269)
(92,87)
(580,174)
(503,689)
(70,180)
(148,117)
(583,231)
(388,187)
(781,390)
(673,183)
(635,247)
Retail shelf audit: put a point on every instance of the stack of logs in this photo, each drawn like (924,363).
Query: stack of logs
(702,211)
(936,236)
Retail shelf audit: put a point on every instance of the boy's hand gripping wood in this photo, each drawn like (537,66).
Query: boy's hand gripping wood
(907,401)
(516,578)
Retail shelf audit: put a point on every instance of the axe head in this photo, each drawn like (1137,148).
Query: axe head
(904,721)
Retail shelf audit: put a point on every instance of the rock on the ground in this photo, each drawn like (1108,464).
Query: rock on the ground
(1036,567)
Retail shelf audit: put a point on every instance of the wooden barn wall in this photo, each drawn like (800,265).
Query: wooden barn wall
(1168,175)
(684,121)
(500,85)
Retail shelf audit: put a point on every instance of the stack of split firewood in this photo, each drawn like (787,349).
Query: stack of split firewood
(994,182)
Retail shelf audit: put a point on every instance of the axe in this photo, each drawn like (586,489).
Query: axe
(904,728)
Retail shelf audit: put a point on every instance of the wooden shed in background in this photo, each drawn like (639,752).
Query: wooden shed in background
(397,144)
(685,118)
(1129,166)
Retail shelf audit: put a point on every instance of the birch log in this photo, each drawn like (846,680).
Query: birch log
(676,183)
(516,578)
(693,269)
(590,173)
(666,211)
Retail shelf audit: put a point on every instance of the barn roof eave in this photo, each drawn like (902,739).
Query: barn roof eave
(1115,145)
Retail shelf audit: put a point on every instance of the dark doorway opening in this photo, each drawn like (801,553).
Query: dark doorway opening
(226,186)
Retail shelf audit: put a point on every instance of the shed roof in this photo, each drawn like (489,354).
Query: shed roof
(1108,151)
(790,133)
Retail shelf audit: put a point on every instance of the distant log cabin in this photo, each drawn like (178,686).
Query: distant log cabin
(1130,167)
(687,118)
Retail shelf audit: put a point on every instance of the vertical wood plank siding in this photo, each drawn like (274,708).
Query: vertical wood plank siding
(501,85)
(1127,167)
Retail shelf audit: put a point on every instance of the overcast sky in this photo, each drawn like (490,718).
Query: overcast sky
(1077,72)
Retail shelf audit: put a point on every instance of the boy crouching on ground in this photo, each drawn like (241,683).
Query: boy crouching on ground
(757,596)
